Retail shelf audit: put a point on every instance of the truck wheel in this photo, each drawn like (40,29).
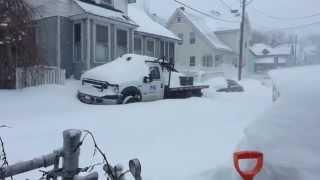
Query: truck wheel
(129,100)
(85,100)
(131,95)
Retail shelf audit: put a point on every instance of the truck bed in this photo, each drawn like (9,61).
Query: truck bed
(184,91)
(188,88)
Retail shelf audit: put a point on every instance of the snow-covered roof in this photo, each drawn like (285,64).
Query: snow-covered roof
(103,12)
(49,8)
(283,49)
(147,24)
(270,60)
(266,50)
(201,23)
(224,21)
(121,70)
(258,49)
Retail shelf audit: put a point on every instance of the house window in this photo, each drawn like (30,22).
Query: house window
(77,42)
(167,50)
(179,19)
(180,35)
(102,44)
(207,61)
(192,38)
(137,45)
(107,2)
(150,48)
(162,49)
(122,42)
(155,73)
(218,59)
(192,61)
(171,52)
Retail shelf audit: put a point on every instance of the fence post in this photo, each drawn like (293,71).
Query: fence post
(71,140)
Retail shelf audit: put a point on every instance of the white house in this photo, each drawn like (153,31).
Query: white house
(265,57)
(209,44)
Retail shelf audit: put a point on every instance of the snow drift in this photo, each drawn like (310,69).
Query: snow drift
(287,132)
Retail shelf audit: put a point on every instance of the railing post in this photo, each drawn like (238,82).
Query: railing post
(71,140)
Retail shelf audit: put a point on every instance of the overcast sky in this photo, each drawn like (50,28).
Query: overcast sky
(278,8)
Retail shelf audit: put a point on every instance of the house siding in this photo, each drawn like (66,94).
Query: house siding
(186,50)
(121,5)
(203,47)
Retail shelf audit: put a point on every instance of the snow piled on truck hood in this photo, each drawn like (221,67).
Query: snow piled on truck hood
(121,70)
(287,133)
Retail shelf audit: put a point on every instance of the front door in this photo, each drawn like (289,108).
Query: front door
(154,89)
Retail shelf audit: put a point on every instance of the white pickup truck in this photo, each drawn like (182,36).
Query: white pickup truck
(135,78)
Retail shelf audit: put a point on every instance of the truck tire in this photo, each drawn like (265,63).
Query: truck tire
(130,95)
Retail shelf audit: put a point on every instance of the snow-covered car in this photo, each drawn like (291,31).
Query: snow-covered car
(287,133)
(232,86)
(134,78)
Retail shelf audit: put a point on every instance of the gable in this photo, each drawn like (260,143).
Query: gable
(200,27)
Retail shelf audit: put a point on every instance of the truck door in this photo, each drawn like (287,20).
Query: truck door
(155,88)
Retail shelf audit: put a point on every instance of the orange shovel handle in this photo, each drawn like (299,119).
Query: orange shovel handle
(247,155)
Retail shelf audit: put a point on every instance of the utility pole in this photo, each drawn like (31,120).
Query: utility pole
(241,39)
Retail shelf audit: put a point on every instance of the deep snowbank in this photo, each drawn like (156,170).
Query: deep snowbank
(173,139)
(288,132)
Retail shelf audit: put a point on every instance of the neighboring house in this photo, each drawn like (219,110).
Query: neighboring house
(78,35)
(208,45)
(265,58)
(310,55)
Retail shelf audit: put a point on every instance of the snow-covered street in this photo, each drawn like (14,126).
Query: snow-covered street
(173,139)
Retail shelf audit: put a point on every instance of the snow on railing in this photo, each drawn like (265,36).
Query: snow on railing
(39,75)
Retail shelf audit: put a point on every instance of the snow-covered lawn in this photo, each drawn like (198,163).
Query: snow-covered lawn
(174,139)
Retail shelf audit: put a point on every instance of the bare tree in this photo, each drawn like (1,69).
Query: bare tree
(17,40)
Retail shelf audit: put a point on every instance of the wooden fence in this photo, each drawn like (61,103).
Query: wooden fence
(39,75)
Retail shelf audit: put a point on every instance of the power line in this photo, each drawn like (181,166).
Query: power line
(204,13)
(248,3)
(286,18)
(225,4)
(297,26)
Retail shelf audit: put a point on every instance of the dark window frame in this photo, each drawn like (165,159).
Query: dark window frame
(192,61)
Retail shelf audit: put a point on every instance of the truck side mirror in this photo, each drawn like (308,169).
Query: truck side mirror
(147,79)
(135,169)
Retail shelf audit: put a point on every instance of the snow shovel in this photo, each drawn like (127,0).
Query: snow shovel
(248,155)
